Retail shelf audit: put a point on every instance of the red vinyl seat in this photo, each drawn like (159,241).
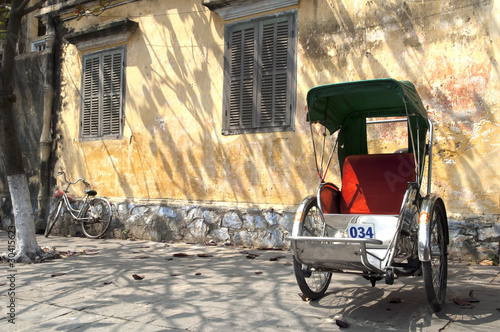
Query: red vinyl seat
(376,183)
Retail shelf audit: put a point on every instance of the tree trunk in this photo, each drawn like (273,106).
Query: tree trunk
(26,246)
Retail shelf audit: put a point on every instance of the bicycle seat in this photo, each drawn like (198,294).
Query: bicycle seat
(91,192)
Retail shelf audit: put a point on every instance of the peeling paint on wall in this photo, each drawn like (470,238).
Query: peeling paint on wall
(173,149)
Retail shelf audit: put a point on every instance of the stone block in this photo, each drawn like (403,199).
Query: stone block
(489,233)
(286,222)
(212,217)
(198,229)
(271,217)
(243,239)
(220,235)
(194,214)
(232,220)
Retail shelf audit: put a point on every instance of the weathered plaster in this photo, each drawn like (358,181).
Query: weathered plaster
(173,150)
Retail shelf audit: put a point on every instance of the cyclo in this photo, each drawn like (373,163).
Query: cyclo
(379,224)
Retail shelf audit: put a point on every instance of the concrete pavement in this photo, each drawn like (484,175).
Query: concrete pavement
(197,287)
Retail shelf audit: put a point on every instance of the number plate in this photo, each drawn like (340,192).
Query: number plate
(361,231)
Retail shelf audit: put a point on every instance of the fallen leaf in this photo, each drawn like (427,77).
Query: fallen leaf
(191,243)
(3,284)
(144,247)
(57,274)
(108,283)
(303,297)
(197,274)
(275,258)
(252,256)
(486,262)
(169,258)
(91,253)
(181,254)
(395,300)
(137,277)
(472,298)
(341,323)
(175,274)
(140,257)
(244,252)
(258,272)
(288,264)
(204,255)
(461,302)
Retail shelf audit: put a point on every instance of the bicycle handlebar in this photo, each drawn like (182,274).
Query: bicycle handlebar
(70,183)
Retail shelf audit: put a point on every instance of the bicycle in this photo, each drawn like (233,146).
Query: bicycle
(94,214)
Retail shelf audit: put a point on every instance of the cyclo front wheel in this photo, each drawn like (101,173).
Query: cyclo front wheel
(436,271)
(53,217)
(96,218)
(312,283)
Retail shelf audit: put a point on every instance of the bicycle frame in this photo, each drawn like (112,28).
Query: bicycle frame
(75,213)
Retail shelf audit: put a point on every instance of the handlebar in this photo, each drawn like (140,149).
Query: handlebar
(70,183)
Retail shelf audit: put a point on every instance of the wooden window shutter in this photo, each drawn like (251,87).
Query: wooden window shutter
(259,75)
(103,90)
(275,72)
(90,117)
(242,78)
(112,93)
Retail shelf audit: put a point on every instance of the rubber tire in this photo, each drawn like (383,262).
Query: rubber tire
(99,213)
(436,271)
(53,217)
(315,285)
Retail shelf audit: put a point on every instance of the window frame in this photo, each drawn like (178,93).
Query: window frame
(232,122)
(116,117)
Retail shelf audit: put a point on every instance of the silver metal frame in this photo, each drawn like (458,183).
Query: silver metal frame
(326,242)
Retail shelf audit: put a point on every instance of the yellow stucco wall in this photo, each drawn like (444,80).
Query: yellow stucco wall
(173,147)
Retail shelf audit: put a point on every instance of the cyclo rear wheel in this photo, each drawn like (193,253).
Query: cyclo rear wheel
(53,217)
(312,283)
(436,271)
(96,218)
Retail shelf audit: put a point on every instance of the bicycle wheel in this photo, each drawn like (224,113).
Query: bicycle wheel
(96,218)
(52,219)
(436,271)
(313,284)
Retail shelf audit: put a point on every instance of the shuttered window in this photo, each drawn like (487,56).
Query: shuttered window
(260,75)
(102,94)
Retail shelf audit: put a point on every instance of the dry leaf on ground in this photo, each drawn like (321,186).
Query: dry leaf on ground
(57,274)
(181,254)
(341,323)
(461,302)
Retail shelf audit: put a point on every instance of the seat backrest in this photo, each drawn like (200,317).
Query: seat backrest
(330,198)
(376,183)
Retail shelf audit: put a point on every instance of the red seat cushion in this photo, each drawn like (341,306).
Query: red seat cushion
(376,183)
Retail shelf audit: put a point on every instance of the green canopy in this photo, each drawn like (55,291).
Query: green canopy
(346,106)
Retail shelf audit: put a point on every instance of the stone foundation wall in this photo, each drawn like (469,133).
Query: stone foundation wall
(471,239)
(191,223)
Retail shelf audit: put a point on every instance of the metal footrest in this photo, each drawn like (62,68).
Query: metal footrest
(332,253)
